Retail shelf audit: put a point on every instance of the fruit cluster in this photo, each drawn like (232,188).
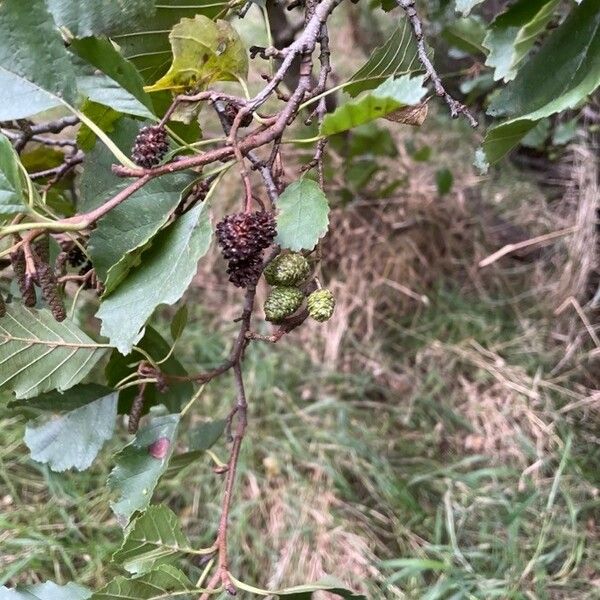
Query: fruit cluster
(243,237)
(151,144)
(286,273)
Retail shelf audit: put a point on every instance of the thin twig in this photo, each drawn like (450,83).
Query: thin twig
(29,130)
(456,108)
(57,173)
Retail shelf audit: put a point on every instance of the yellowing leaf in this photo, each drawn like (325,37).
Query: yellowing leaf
(203,51)
(391,95)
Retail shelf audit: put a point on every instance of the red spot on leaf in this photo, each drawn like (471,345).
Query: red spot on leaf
(159,448)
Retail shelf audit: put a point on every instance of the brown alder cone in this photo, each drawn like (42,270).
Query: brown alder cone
(244,235)
(243,273)
(151,144)
(242,238)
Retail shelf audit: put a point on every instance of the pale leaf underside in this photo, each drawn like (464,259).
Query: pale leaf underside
(38,354)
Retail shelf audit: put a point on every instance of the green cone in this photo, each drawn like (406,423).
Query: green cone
(282,302)
(287,269)
(320,305)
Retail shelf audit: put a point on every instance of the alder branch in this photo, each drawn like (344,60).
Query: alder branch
(456,108)
(29,131)
(40,139)
(303,45)
(267,134)
(57,173)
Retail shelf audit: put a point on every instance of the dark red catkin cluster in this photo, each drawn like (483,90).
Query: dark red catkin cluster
(243,237)
(151,144)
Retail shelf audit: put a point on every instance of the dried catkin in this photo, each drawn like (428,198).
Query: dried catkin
(41,248)
(25,283)
(135,413)
(50,291)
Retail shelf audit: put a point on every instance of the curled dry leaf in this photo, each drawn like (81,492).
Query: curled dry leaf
(409,115)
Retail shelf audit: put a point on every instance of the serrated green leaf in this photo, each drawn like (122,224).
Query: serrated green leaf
(154,538)
(45,591)
(83,19)
(35,71)
(466,6)
(398,56)
(120,366)
(179,322)
(201,439)
(11,188)
(74,439)
(120,237)
(302,216)
(146,42)
(204,51)
(159,584)
(75,397)
(391,95)
(140,465)
(37,354)
(121,87)
(500,140)
(573,50)
(513,33)
(167,270)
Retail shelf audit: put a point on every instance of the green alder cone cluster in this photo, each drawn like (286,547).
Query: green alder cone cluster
(285,273)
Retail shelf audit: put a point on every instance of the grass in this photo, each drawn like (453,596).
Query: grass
(341,474)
